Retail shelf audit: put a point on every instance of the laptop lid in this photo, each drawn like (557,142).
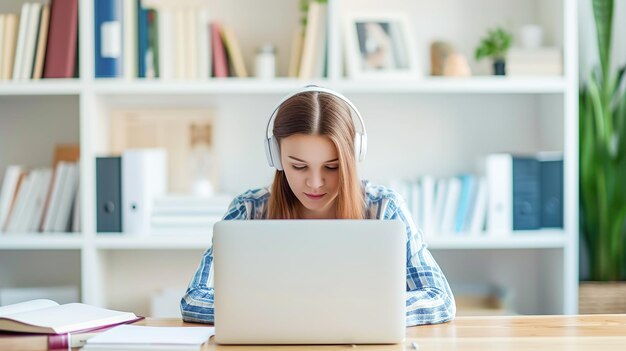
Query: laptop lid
(309,281)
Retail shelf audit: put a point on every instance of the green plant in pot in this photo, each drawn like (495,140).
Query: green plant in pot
(602,133)
(495,45)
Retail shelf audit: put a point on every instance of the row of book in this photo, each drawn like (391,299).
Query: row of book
(40,199)
(40,42)
(516,193)
(162,39)
(131,198)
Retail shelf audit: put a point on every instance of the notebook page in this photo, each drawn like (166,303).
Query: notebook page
(71,317)
(134,334)
(26,306)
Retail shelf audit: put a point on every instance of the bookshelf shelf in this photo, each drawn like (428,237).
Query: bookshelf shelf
(39,241)
(475,85)
(543,239)
(42,87)
(195,242)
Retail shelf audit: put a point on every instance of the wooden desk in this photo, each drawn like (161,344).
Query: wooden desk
(589,332)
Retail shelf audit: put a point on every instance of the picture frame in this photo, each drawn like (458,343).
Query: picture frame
(380,46)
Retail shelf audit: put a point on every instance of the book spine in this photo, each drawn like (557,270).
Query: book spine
(142,38)
(61,50)
(108,38)
(152,55)
(220,62)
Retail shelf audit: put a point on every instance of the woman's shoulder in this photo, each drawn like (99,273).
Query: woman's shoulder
(377,192)
(381,201)
(254,196)
(252,204)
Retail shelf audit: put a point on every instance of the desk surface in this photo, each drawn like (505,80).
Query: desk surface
(587,332)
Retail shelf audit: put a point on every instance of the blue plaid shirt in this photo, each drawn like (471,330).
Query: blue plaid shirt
(429,299)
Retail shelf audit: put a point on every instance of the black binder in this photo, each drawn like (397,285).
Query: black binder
(109,194)
(552,194)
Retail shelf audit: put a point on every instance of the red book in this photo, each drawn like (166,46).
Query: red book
(62,39)
(220,62)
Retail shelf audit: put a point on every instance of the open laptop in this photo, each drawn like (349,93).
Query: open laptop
(309,281)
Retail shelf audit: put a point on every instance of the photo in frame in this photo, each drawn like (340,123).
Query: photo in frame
(380,46)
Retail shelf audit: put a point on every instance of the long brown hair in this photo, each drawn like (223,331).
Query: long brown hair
(316,113)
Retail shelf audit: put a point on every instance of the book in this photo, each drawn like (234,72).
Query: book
(135,337)
(108,38)
(47,316)
(2,29)
(314,46)
(220,61)
(42,40)
(9,42)
(191,39)
(167,68)
(21,41)
(32,30)
(234,51)
(53,197)
(8,192)
(479,212)
(62,39)
(296,52)
(142,38)
(451,205)
(204,45)
(129,39)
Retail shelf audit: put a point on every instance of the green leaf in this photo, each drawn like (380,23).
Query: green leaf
(603,14)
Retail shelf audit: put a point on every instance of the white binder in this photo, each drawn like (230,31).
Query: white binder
(144,176)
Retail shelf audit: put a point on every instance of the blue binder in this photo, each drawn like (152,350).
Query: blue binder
(108,38)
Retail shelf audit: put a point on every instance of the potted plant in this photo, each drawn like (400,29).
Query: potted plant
(602,137)
(495,45)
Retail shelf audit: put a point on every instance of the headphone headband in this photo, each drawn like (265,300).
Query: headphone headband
(271,144)
(318,89)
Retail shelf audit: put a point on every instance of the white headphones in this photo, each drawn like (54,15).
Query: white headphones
(272,149)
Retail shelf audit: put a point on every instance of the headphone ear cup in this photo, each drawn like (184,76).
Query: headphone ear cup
(275,153)
(359,146)
(268,152)
(362,146)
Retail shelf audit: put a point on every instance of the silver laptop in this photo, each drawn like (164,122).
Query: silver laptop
(309,281)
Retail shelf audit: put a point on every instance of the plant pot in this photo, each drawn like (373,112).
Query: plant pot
(499,68)
(602,297)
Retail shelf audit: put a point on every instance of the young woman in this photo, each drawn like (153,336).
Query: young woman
(315,147)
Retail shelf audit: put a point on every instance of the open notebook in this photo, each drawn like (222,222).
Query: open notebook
(47,316)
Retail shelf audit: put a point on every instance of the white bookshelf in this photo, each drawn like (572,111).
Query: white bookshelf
(442,125)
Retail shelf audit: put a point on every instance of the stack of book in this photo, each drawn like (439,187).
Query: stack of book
(544,61)
(167,39)
(40,42)
(185,214)
(44,199)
